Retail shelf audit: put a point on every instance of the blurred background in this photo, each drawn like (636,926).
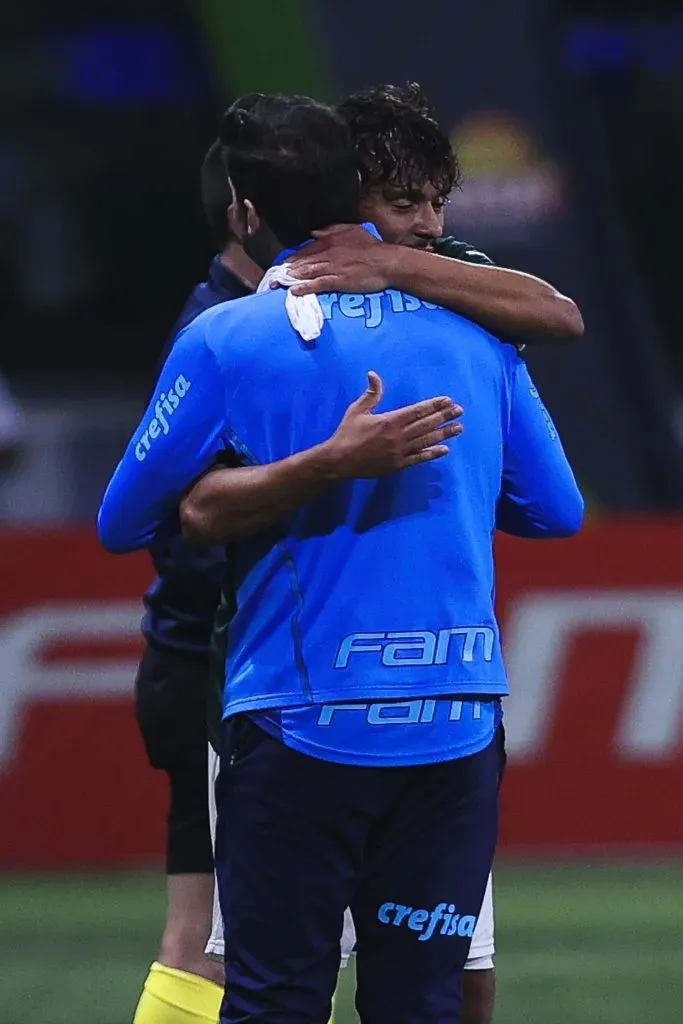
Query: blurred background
(567,116)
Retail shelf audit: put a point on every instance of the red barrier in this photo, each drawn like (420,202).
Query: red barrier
(75,788)
(594,639)
(593,632)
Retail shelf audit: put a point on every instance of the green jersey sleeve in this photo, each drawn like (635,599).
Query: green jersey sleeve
(455,250)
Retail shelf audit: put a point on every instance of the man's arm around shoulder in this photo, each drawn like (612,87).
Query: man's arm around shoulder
(349,259)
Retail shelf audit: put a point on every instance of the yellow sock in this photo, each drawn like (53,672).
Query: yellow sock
(177,997)
(334,1007)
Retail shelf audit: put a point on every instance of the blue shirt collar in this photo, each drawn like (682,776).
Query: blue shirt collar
(286,253)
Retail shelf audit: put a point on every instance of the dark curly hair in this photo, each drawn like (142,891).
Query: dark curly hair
(398,140)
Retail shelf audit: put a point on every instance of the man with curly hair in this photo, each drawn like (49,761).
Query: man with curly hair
(408,173)
(408,170)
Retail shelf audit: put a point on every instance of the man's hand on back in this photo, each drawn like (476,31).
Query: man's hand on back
(343,258)
(369,444)
(229,503)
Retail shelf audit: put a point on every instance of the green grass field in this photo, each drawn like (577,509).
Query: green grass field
(576,944)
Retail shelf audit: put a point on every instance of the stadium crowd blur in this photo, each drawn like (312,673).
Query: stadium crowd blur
(568,120)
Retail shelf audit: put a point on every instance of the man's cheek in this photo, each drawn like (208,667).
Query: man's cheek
(393,232)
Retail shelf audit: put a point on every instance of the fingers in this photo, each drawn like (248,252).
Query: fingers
(427,455)
(434,438)
(371,397)
(310,268)
(317,287)
(375,384)
(424,424)
(429,406)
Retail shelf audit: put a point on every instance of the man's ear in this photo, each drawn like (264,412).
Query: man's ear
(237,215)
(253,220)
(237,221)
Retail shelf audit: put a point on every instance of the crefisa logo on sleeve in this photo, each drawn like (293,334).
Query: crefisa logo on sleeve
(166,405)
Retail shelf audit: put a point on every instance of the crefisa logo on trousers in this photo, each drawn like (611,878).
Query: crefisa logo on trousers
(426,922)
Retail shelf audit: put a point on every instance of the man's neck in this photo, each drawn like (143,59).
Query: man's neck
(239,264)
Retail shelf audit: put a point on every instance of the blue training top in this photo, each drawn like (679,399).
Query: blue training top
(386,733)
(379,590)
(181,603)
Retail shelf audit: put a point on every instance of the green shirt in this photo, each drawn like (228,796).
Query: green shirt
(449,246)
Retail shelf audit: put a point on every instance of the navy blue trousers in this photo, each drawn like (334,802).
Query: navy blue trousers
(299,839)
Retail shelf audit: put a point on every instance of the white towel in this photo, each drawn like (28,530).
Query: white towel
(304,311)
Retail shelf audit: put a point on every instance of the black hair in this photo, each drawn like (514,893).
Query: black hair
(293,158)
(216,194)
(398,139)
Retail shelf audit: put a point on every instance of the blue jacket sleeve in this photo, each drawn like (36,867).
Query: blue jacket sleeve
(539,496)
(178,438)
